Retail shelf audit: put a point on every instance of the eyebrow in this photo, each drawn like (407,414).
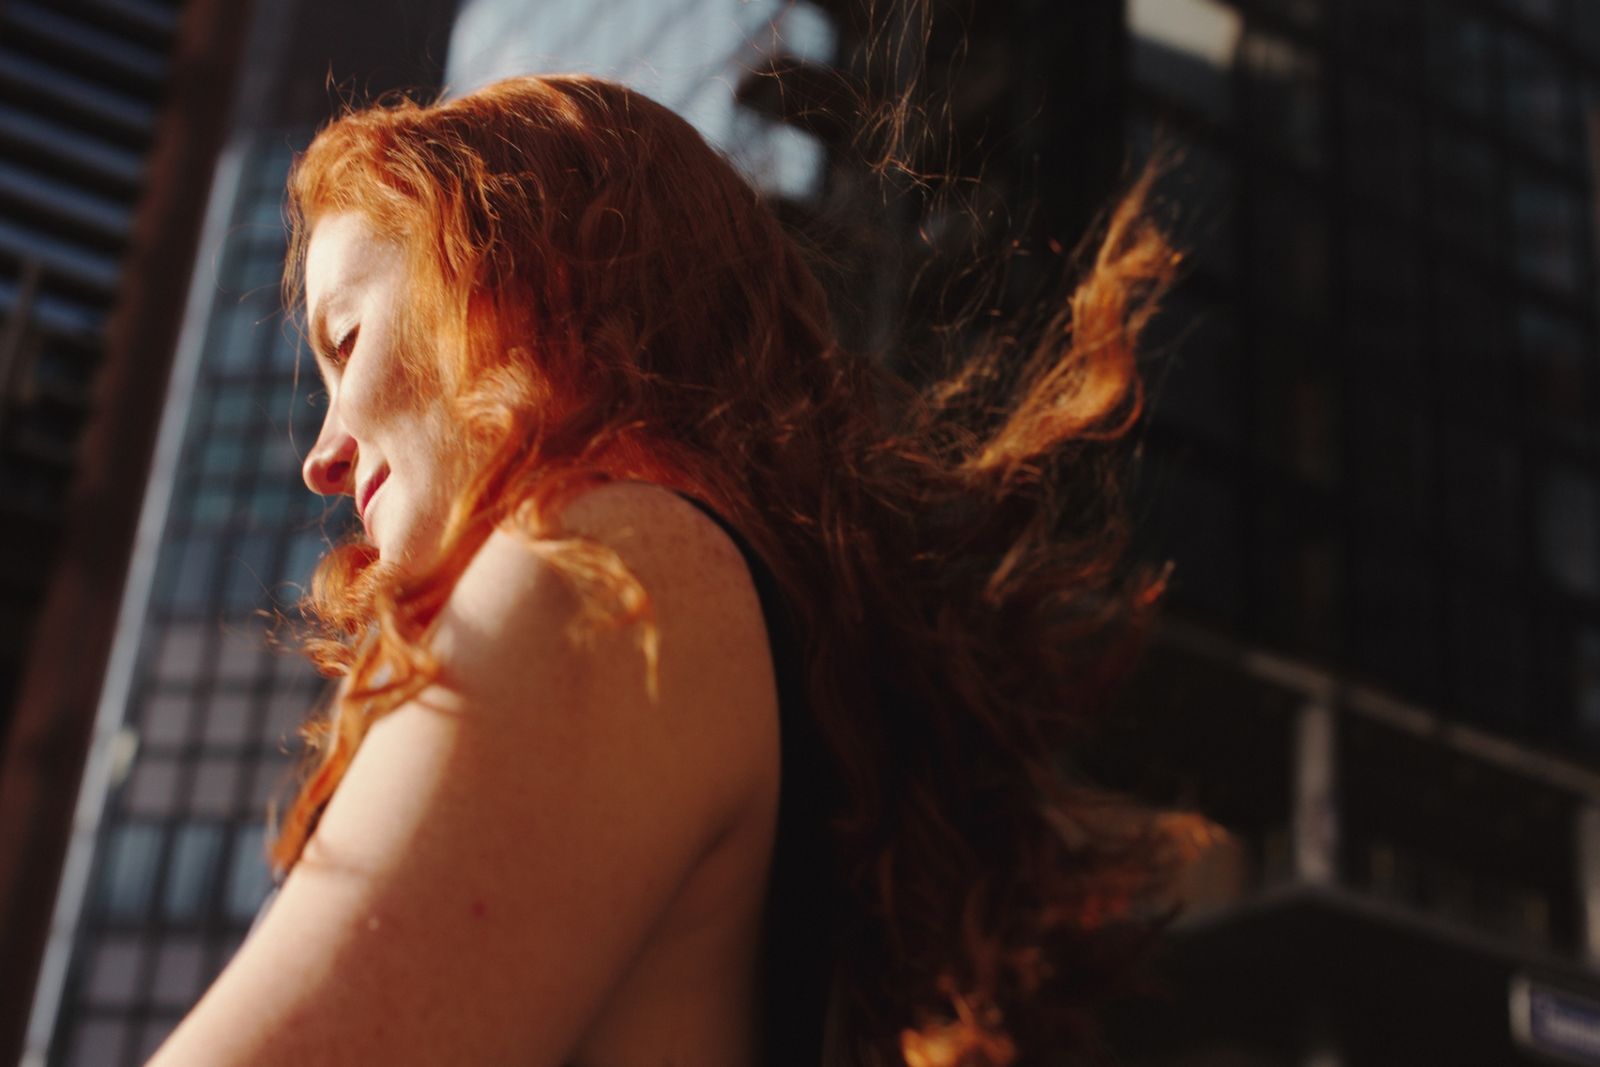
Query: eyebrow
(321,342)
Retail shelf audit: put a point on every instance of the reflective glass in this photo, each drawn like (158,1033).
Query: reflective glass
(97,1042)
(152,786)
(1483,480)
(132,852)
(1538,91)
(1393,480)
(1471,350)
(1465,204)
(1459,44)
(196,851)
(1560,380)
(1569,529)
(1288,249)
(1193,378)
(180,969)
(1548,223)
(1397,618)
(115,971)
(1283,108)
(1382,135)
(249,881)
(1489,628)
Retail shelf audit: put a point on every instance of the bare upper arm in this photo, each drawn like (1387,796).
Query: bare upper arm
(503,845)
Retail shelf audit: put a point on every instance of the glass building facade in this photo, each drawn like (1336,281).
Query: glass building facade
(1378,430)
(1372,457)
(212,711)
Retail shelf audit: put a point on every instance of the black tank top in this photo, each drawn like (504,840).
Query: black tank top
(797,963)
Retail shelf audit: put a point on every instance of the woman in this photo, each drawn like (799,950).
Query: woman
(699,680)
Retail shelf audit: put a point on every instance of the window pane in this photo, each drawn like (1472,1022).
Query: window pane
(1382,138)
(164,720)
(1300,574)
(211,505)
(247,568)
(226,721)
(190,572)
(224,457)
(1560,382)
(1474,365)
(273,778)
(152,787)
(1383,33)
(216,781)
(301,558)
(196,850)
(1482,483)
(153,1035)
(97,1043)
(1490,654)
(1458,56)
(1548,222)
(286,710)
(233,406)
(1284,96)
(1537,93)
(128,872)
(1585,681)
(1569,530)
(180,971)
(241,650)
(114,971)
(248,878)
(1195,518)
(1545,12)
(1393,481)
(1194,382)
(235,337)
(1289,250)
(183,652)
(1396,619)
(1297,414)
(1383,328)
(1466,201)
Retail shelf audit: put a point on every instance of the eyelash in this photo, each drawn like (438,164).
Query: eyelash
(346,343)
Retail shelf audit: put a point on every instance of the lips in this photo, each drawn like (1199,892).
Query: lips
(369,487)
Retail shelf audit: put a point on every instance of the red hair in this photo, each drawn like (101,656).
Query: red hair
(605,297)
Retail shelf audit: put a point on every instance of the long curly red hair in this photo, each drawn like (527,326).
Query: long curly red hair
(605,297)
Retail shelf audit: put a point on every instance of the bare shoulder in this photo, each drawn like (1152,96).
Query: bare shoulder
(524,828)
(508,633)
(702,596)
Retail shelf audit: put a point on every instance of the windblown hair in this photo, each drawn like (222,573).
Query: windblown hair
(603,296)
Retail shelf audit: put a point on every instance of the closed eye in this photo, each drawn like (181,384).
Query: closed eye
(346,344)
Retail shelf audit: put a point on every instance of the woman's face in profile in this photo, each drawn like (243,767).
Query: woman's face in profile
(383,438)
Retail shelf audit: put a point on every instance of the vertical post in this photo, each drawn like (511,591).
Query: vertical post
(13,338)
(1587,850)
(1316,814)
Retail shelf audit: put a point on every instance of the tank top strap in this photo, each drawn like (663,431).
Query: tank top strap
(797,971)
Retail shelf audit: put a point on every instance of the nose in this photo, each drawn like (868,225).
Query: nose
(330,466)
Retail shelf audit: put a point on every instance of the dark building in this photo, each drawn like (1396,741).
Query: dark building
(1372,458)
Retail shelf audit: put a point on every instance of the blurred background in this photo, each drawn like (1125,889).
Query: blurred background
(1372,457)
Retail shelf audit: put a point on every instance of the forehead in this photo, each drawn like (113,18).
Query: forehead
(345,253)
